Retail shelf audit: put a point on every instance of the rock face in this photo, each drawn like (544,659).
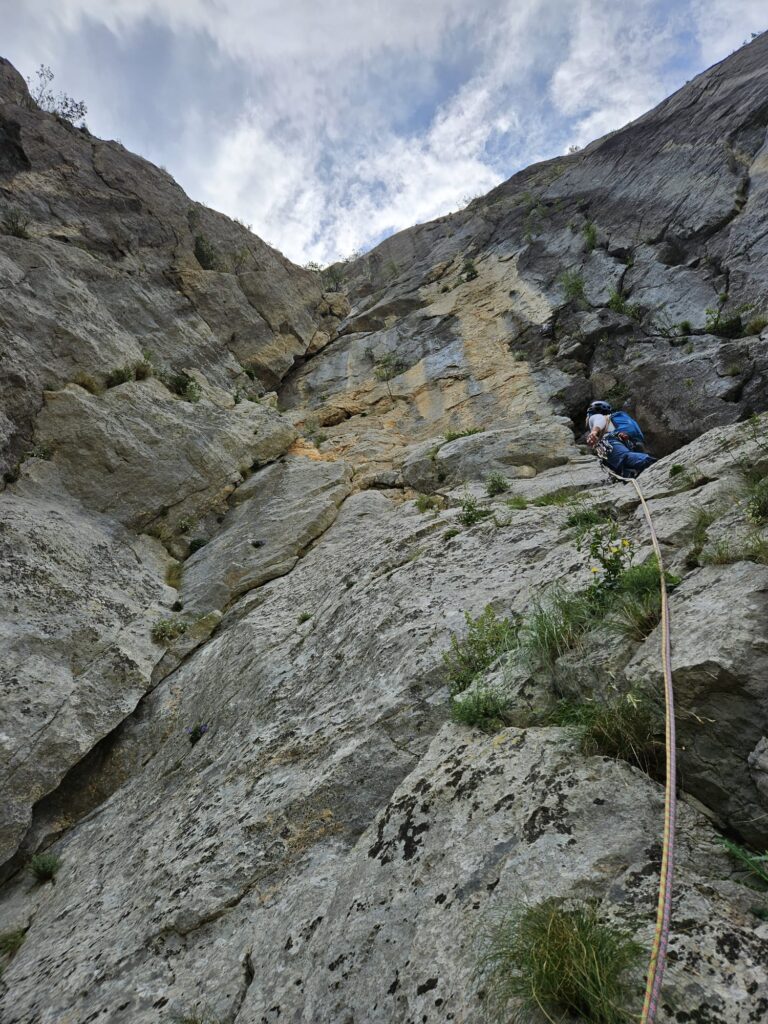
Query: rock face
(225,616)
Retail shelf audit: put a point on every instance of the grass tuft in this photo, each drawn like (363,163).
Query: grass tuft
(471,512)
(756,863)
(482,708)
(454,435)
(560,961)
(623,727)
(166,630)
(427,503)
(44,866)
(11,942)
(517,501)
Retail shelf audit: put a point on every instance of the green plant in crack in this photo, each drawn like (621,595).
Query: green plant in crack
(488,637)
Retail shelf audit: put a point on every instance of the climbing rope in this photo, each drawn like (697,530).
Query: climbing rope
(664,907)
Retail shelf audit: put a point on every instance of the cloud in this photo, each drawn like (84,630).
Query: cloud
(329,126)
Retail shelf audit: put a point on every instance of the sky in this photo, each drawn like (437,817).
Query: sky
(328,126)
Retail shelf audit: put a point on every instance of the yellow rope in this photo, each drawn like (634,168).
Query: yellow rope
(664,906)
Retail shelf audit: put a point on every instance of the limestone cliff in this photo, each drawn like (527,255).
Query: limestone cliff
(225,703)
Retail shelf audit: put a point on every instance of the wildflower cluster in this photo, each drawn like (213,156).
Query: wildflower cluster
(610,556)
(196,732)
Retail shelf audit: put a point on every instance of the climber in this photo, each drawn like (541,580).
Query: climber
(617,440)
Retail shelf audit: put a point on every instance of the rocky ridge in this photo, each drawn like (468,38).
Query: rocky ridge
(333,847)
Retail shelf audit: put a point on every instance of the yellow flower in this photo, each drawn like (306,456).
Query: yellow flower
(625,542)
(594,569)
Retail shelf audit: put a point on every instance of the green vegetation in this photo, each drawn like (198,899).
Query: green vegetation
(558,960)
(450,534)
(40,451)
(15,224)
(554,627)
(304,617)
(590,235)
(757,503)
(428,503)
(469,270)
(471,512)
(196,543)
(483,708)
(496,483)
(572,283)
(143,370)
(584,517)
(622,727)
(121,375)
(555,498)
(756,863)
(756,325)
(700,521)
(387,367)
(70,109)
(517,501)
(45,866)
(88,383)
(206,254)
(166,630)
(723,552)
(487,638)
(454,435)
(185,387)
(619,304)
(11,942)
(333,277)
(685,327)
(676,470)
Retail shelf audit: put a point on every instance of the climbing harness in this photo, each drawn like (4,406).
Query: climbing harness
(664,906)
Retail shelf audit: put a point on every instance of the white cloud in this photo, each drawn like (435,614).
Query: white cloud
(359,117)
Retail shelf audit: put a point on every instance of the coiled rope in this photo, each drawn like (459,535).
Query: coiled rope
(658,956)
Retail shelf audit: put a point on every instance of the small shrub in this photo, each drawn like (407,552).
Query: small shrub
(304,617)
(387,368)
(427,503)
(185,387)
(450,534)
(558,960)
(196,543)
(517,501)
(482,708)
(166,630)
(685,327)
(186,523)
(15,224)
(11,942)
(617,302)
(45,866)
(469,271)
(471,512)
(733,370)
(207,254)
(454,435)
(757,325)
(590,235)
(756,863)
(119,376)
(88,383)
(572,283)
(676,470)
(196,732)
(487,638)
(495,483)
(70,109)
(551,350)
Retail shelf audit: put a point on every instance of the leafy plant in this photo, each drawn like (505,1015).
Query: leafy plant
(15,224)
(304,617)
(185,387)
(612,553)
(469,270)
(685,327)
(166,630)
(584,517)
(45,866)
(676,470)
(496,483)
(333,277)
(517,501)
(559,960)
(487,638)
(450,534)
(471,512)
(387,367)
(40,451)
(483,708)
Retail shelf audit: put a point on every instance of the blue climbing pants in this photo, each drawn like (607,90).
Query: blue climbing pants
(623,461)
